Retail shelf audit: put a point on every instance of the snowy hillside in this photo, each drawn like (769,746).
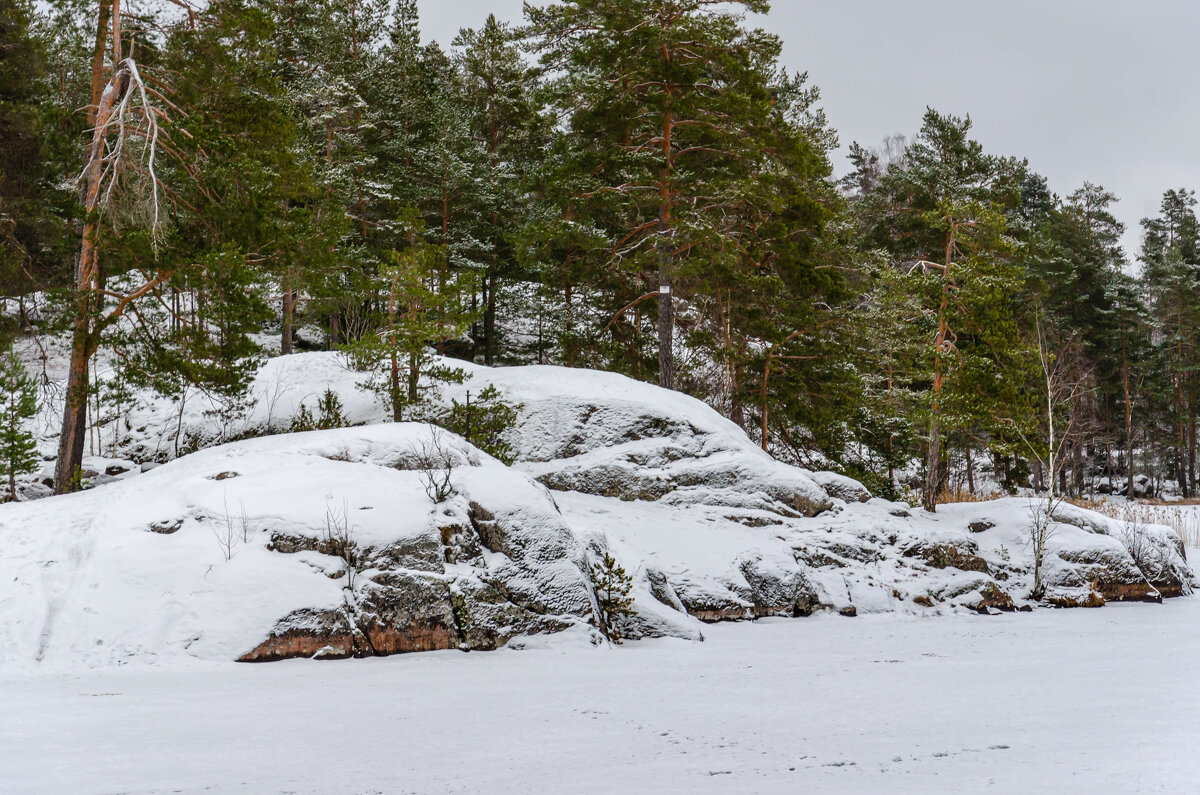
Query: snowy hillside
(337,543)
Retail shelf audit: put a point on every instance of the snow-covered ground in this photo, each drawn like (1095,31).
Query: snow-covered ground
(1058,701)
(121,609)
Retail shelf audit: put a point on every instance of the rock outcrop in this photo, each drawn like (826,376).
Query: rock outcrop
(393,538)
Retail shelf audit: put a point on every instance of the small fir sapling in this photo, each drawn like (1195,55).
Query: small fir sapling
(329,414)
(18,403)
(484,422)
(612,586)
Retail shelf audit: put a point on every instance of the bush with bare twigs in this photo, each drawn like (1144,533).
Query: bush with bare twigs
(435,462)
(339,539)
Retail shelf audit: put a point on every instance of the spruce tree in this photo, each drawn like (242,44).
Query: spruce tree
(329,64)
(1171,258)
(32,206)
(18,404)
(505,116)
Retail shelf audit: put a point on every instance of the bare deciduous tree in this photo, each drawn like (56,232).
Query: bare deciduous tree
(1047,444)
(226,533)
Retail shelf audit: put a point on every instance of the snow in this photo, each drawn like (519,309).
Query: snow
(1074,701)
(134,571)
(122,612)
(707,524)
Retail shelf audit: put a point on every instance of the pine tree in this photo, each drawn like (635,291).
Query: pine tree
(484,422)
(774,277)
(192,222)
(422,307)
(941,211)
(665,99)
(18,404)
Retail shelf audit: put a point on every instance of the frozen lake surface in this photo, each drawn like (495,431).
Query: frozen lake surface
(1058,701)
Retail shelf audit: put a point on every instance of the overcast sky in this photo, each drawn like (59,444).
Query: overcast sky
(1097,90)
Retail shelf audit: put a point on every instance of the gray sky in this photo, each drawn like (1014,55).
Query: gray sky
(1097,90)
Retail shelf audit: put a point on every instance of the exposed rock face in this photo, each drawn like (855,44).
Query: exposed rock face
(1123,562)
(326,634)
(991,597)
(473,577)
(950,556)
(778,591)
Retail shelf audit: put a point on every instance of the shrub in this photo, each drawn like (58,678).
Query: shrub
(435,462)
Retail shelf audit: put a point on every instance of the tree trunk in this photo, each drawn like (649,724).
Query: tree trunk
(335,330)
(933,462)
(489,321)
(970,469)
(393,361)
(414,376)
(74,425)
(289,306)
(1191,463)
(666,323)
(736,411)
(1128,420)
(930,495)
(1180,470)
(765,405)
(1078,467)
(666,316)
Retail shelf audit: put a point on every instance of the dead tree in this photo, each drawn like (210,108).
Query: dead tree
(125,116)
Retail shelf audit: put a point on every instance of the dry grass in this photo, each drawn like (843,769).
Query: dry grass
(1186,523)
(1099,506)
(960,495)
(1165,504)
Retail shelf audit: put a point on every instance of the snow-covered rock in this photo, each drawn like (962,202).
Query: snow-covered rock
(329,543)
(608,435)
(320,543)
